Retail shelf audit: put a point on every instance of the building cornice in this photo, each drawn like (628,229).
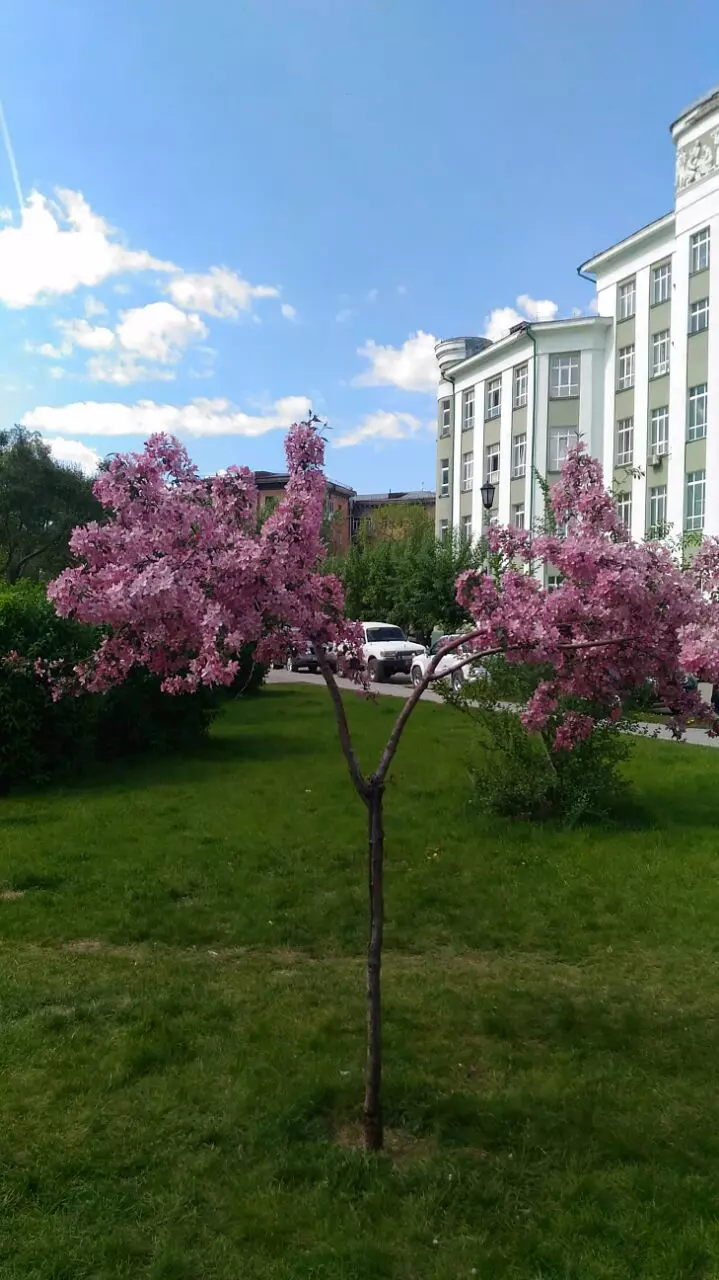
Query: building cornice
(520,331)
(633,241)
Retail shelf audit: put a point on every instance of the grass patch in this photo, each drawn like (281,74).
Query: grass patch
(182,1004)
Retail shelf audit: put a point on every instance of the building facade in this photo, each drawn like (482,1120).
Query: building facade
(638,382)
(338,498)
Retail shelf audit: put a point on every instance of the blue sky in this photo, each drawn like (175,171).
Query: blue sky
(235,208)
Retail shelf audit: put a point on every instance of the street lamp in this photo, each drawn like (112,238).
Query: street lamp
(487,492)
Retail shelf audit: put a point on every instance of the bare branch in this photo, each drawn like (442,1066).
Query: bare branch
(343,728)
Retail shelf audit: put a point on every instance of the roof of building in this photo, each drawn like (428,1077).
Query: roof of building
(518,331)
(695,108)
(627,242)
(410,495)
(278,479)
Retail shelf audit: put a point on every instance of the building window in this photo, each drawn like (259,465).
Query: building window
(553,581)
(468,409)
(625,441)
(561,440)
(659,431)
(658,511)
(563,376)
(467,471)
(625,377)
(696,485)
(697,420)
(661,283)
(699,316)
(519,456)
(444,530)
(494,397)
(626,299)
(444,478)
(520,386)
(624,508)
(493,521)
(518,515)
(445,417)
(491,463)
(699,251)
(467,528)
(660,353)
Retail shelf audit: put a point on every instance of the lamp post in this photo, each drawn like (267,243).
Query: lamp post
(487,492)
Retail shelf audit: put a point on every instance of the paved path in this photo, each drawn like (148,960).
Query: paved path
(400,687)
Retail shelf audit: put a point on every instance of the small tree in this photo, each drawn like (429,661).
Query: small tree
(184,579)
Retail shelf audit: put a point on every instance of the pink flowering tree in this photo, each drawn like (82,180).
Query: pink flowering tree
(183,579)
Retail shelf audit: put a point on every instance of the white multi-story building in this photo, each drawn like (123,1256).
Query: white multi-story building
(638,381)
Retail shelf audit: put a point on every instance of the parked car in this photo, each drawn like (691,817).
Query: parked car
(387,651)
(473,670)
(303,657)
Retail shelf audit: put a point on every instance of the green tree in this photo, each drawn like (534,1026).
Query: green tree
(41,502)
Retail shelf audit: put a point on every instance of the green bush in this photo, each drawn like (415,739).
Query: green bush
(40,737)
(517,774)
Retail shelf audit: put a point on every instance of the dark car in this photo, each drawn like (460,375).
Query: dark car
(303,657)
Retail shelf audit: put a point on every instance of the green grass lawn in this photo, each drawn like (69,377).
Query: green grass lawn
(183,1019)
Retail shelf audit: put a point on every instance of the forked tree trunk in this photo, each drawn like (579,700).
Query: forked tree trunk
(373,1126)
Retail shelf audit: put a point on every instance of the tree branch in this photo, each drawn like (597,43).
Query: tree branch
(343,728)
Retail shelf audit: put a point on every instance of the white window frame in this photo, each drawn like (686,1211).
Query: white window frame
(561,440)
(625,367)
(697,404)
(627,299)
(695,489)
(699,255)
(554,580)
(623,503)
(519,456)
(468,409)
(444,529)
(518,515)
(443,477)
(661,283)
(660,353)
(467,528)
(491,451)
(493,397)
(564,376)
(699,316)
(445,416)
(659,439)
(658,510)
(467,471)
(520,386)
(624,455)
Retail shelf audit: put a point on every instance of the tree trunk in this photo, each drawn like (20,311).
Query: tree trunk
(373,1128)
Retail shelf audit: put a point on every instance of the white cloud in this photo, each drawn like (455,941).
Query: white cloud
(94,307)
(219,292)
(123,368)
(537,308)
(378,427)
(80,333)
(402,290)
(499,321)
(411,367)
(59,246)
(288,311)
(199,418)
(6,214)
(56,371)
(159,331)
(373,295)
(593,307)
(343,315)
(75,453)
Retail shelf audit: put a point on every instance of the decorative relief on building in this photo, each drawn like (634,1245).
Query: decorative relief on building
(697,160)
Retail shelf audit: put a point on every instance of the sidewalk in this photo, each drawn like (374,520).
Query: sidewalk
(692,737)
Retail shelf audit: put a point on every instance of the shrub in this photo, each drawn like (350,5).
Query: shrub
(40,738)
(517,774)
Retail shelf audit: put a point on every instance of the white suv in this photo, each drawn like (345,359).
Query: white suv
(473,670)
(387,651)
